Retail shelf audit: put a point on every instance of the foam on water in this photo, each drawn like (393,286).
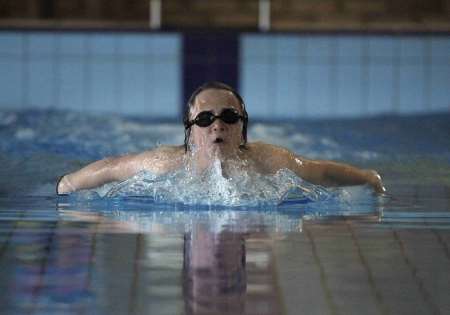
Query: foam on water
(243,188)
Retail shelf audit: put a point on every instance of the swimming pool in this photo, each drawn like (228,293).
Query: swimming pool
(133,256)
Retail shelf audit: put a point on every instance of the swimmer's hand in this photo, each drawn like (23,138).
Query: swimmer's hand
(374,180)
(63,186)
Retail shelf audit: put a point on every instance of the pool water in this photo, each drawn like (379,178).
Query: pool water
(358,254)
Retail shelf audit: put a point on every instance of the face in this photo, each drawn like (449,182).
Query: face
(218,137)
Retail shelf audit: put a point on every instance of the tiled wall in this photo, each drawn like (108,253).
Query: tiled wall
(287,76)
(281,75)
(100,72)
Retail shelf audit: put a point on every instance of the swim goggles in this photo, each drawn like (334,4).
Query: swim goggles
(206,118)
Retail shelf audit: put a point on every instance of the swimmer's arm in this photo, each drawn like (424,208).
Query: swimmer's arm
(329,173)
(99,173)
(160,160)
(325,173)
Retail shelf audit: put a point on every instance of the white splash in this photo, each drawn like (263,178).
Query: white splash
(242,187)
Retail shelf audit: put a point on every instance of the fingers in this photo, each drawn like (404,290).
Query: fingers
(59,188)
(376,182)
(64,186)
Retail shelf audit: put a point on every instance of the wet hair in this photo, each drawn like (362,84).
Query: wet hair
(213,85)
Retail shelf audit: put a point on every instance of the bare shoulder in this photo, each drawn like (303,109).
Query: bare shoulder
(161,159)
(267,150)
(271,158)
(166,150)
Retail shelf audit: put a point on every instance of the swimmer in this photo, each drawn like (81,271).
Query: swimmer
(216,129)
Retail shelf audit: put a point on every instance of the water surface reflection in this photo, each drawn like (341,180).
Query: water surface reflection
(127,260)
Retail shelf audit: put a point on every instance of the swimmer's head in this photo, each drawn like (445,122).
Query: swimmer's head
(215,96)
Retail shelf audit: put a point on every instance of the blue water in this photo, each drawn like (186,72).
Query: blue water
(344,252)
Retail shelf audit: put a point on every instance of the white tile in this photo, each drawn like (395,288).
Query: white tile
(256,46)
(166,45)
(349,87)
(135,44)
(411,89)
(105,93)
(412,47)
(440,47)
(380,89)
(255,87)
(319,49)
(150,76)
(42,90)
(440,87)
(303,47)
(134,86)
(287,46)
(103,44)
(72,44)
(72,93)
(318,91)
(165,89)
(350,49)
(11,83)
(41,44)
(289,90)
(11,43)
(381,47)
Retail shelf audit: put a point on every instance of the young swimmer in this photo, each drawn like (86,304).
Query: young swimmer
(216,128)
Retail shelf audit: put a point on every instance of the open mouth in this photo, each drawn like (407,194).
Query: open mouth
(218,140)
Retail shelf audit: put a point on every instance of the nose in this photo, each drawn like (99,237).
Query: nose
(218,125)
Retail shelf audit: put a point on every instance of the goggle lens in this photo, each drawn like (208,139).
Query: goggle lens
(230,116)
(206,118)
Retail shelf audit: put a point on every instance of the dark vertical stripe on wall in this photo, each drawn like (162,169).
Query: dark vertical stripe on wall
(209,57)
(47,9)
